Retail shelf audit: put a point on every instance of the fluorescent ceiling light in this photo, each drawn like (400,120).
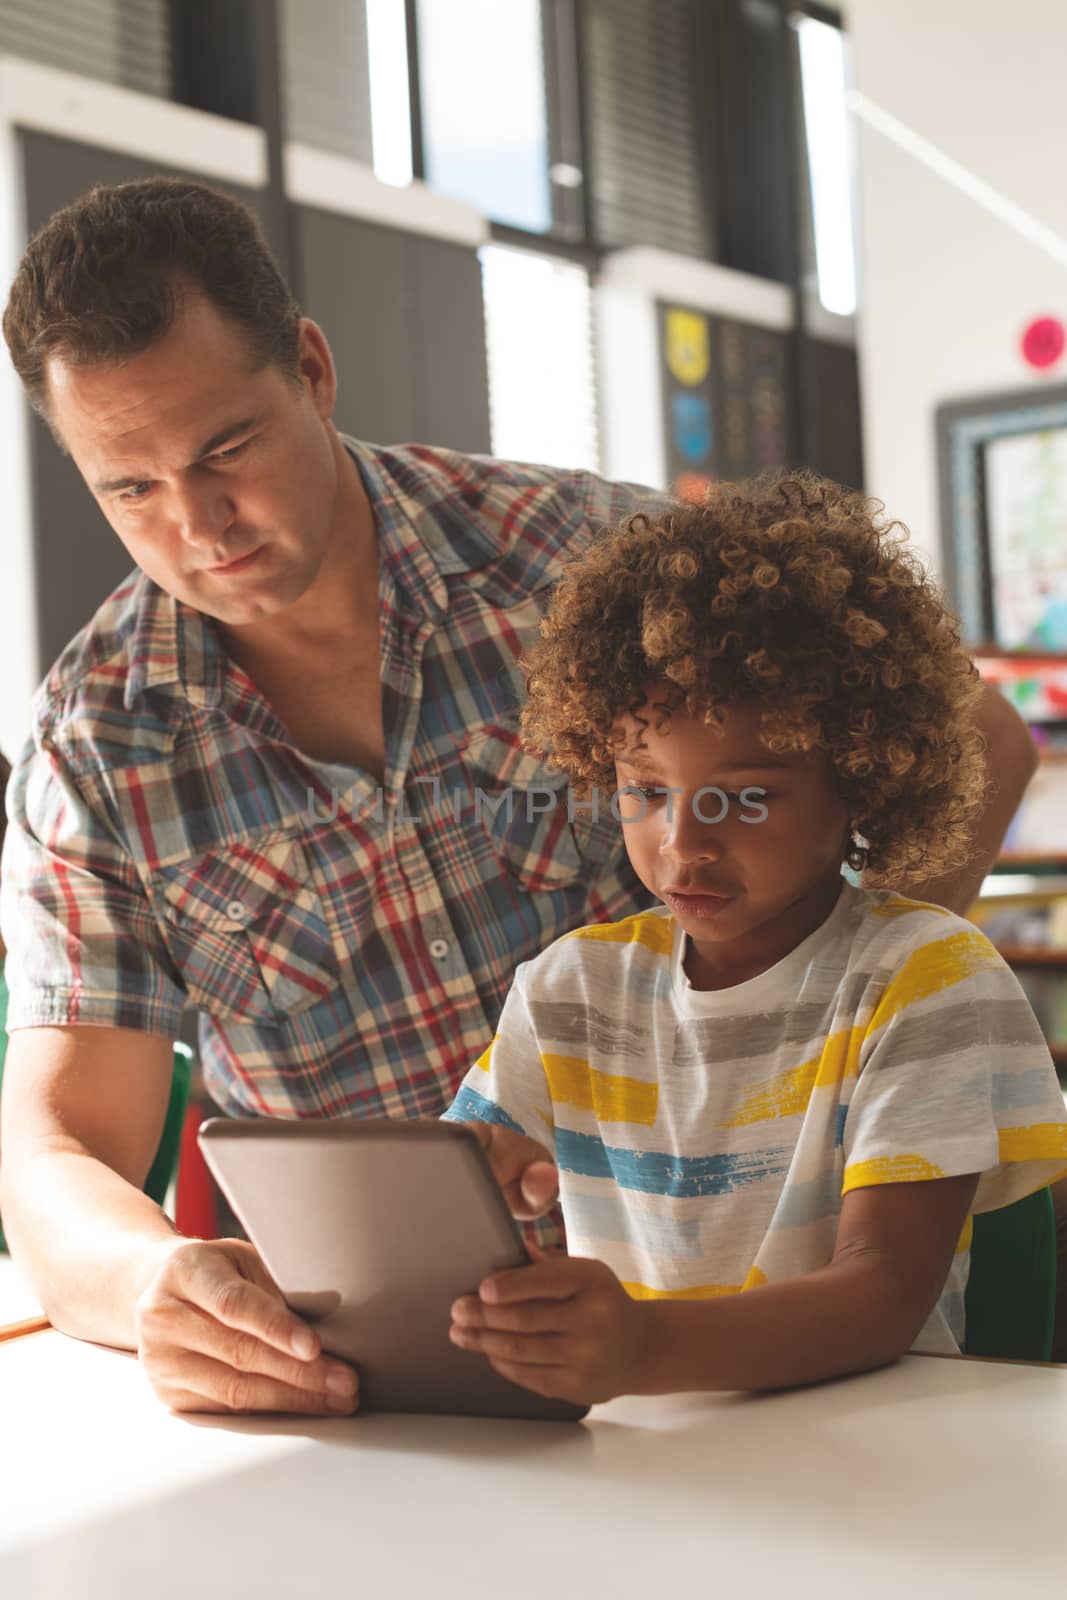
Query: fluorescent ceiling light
(822,70)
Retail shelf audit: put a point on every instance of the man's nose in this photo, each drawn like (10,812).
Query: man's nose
(203,515)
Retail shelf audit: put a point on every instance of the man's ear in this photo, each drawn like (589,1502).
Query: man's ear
(315,367)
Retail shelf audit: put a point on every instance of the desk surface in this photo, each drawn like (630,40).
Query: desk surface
(933,1477)
(16,1301)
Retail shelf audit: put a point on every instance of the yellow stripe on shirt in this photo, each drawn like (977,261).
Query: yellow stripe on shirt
(1045,1141)
(647,928)
(888,1169)
(900,907)
(485,1060)
(699,1291)
(934,967)
(789,1094)
(612,1097)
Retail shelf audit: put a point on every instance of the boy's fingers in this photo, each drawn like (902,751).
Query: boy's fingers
(511,1156)
(528,1349)
(547,1279)
(529,1316)
(542,1380)
(539,1185)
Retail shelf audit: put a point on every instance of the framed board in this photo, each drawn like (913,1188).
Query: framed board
(1003,477)
(725,397)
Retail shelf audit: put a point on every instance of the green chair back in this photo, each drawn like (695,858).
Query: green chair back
(165,1164)
(1011,1292)
(166,1159)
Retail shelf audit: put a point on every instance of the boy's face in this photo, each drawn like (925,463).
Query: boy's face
(746,888)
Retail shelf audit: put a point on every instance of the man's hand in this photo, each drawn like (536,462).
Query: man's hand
(564,1327)
(522,1167)
(214,1334)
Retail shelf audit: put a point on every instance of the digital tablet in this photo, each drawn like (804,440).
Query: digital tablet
(371,1229)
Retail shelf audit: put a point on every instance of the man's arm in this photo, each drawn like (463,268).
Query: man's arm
(1011,761)
(82,1111)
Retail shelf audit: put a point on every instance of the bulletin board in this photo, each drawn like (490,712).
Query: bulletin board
(725,396)
(1003,476)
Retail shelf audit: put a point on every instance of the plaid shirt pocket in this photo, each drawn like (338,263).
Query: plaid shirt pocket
(523,807)
(246,928)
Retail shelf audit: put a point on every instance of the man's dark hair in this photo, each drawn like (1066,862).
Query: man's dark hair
(103,278)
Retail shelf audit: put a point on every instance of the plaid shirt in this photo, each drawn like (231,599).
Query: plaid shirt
(349,948)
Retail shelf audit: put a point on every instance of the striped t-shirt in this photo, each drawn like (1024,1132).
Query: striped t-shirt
(705,1138)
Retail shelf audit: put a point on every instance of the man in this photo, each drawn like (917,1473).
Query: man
(278,774)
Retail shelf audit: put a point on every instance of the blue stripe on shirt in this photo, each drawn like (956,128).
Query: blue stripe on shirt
(470,1106)
(656,1172)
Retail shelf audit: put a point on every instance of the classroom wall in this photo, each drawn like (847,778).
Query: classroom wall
(947,287)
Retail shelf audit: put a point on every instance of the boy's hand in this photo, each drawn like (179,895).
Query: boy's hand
(522,1167)
(564,1327)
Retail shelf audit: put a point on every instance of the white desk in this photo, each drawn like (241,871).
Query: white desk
(16,1301)
(934,1478)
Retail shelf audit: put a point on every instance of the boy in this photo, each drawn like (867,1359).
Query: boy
(778,1083)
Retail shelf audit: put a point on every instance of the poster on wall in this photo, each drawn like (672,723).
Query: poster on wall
(724,395)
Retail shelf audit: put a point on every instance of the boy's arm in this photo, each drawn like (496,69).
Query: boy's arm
(567,1328)
(895,1244)
(1011,761)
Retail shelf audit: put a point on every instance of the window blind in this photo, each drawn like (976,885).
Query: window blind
(325,75)
(640,95)
(120,41)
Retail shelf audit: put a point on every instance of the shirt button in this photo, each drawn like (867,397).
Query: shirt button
(439,949)
(237,911)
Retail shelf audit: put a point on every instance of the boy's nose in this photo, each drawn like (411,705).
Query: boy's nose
(691,850)
(689,838)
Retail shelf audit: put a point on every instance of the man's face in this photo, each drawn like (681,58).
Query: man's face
(220,481)
(741,868)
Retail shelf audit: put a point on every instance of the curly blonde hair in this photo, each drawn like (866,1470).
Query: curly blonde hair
(789,590)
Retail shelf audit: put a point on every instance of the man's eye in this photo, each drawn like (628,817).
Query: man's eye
(136,491)
(232,452)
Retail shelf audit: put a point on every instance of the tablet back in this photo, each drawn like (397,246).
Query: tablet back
(371,1229)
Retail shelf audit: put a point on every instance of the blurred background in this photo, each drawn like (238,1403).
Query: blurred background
(669,240)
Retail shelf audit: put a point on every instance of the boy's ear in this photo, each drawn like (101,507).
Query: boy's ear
(856,849)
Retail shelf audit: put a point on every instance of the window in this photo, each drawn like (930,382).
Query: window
(484,116)
(538,330)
